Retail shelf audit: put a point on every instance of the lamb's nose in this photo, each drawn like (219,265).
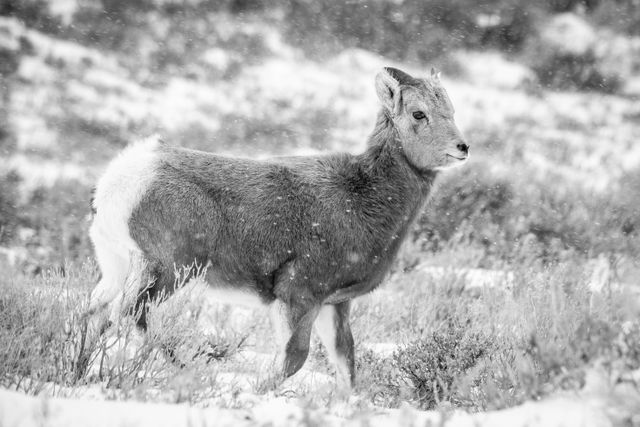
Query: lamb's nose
(463,147)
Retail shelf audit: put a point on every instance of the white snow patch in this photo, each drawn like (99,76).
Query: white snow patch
(569,33)
(63,9)
(493,69)
(599,403)
(14,256)
(471,277)
(217,58)
(35,71)
(20,410)
(36,173)
(382,349)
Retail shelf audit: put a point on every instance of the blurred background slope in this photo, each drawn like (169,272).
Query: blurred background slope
(545,92)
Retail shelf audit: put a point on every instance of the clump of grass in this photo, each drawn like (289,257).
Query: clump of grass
(42,334)
(44,342)
(173,352)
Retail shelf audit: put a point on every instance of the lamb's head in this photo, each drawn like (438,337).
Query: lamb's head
(423,116)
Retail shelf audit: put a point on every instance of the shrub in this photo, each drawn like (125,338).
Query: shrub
(619,15)
(410,29)
(574,71)
(8,206)
(568,55)
(494,349)
(44,341)
(433,364)
(529,221)
(570,5)
(9,63)
(34,14)
(58,217)
(42,336)
(129,361)
(623,215)
(378,379)
(475,199)
(110,24)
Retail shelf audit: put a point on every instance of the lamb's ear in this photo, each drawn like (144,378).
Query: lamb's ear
(387,88)
(400,76)
(388,83)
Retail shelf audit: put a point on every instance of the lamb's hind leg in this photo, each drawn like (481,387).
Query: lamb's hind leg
(117,291)
(113,268)
(123,276)
(161,285)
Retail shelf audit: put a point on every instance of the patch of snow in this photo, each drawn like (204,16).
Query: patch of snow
(493,69)
(600,279)
(182,98)
(600,403)
(278,411)
(44,173)
(383,349)
(17,409)
(217,58)
(568,33)
(33,133)
(9,28)
(104,79)
(63,9)
(273,41)
(470,277)
(358,61)
(35,71)
(14,256)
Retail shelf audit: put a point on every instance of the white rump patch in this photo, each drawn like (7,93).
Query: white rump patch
(118,192)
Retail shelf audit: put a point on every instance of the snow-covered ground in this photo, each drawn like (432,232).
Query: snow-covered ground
(598,404)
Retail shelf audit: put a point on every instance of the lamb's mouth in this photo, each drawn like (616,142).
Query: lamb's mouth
(457,158)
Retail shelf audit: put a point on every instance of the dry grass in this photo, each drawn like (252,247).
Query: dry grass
(485,349)
(478,348)
(44,342)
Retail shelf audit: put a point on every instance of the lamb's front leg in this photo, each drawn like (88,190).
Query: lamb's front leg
(332,326)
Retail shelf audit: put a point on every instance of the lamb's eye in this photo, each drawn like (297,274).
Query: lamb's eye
(419,115)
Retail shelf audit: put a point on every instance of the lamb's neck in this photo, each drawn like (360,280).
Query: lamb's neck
(385,157)
(396,190)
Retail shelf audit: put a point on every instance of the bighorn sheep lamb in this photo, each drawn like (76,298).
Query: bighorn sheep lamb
(301,235)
